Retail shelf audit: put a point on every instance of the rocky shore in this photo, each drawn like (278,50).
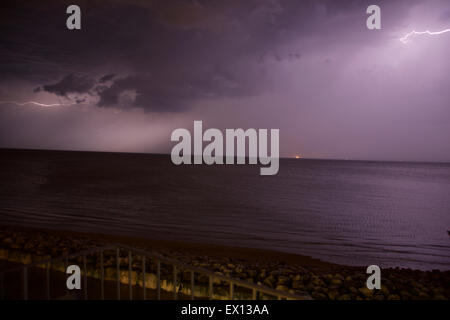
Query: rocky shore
(319,280)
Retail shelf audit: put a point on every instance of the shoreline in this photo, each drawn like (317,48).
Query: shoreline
(281,271)
(190,248)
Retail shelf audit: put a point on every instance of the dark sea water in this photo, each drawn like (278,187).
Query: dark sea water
(350,212)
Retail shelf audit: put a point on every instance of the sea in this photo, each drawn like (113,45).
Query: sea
(391,214)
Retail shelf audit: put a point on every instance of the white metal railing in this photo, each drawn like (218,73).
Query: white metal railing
(144,255)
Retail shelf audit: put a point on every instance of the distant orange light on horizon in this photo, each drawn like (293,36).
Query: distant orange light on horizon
(297,157)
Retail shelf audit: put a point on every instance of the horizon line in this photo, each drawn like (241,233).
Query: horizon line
(168,154)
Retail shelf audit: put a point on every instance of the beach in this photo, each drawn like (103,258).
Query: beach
(291,273)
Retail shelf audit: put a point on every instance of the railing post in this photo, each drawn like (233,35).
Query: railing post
(66,263)
(25,283)
(143,278)
(118,273)
(231,290)
(254,294)
(192,285)
(210,291)
(47,280)
(158,279)
(85,277)
(102,277)
(2,286)
(130,286)
(174,282)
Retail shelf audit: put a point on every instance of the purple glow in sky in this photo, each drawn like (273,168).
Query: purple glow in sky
(138,70)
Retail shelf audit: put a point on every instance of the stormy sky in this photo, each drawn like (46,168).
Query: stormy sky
(139,69)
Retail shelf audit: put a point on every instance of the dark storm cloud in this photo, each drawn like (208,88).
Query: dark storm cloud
(168,96)
(70,84)
(170,53)
(106,78)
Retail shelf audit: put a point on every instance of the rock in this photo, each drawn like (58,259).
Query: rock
(405,295)
(365,292)
(283,280)
(393,297)
(318,282)
(336,282)
(379,296)
(281,288)
(318,289)
(423,296)
(333,294)
(328,277)
(384,290)
(270,281)
(345,297)
(319,296)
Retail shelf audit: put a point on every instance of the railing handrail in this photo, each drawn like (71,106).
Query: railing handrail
(64,256)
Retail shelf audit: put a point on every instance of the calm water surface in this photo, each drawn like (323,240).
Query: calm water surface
(350,212)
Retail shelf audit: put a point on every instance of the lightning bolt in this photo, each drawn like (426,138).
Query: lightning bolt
(32,103)
(405,38)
